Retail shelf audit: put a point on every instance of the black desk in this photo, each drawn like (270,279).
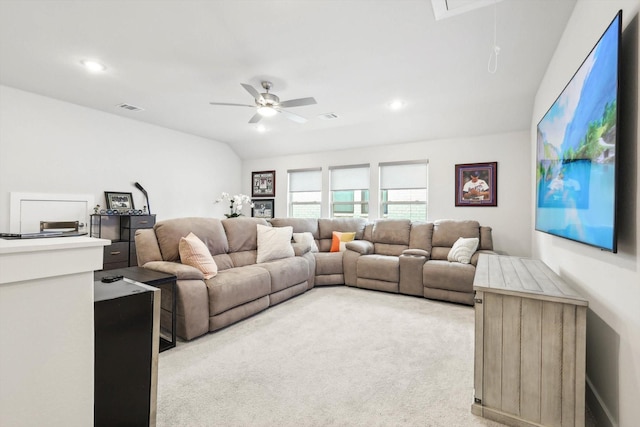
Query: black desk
(167,285)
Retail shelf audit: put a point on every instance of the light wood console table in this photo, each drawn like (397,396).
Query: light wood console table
(529,344)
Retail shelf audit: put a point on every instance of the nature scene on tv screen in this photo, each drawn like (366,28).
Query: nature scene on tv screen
(576,152)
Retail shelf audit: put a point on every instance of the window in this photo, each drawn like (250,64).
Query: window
(350,191)
(305,193)
(403,190)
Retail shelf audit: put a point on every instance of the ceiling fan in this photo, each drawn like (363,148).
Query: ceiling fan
(268,104)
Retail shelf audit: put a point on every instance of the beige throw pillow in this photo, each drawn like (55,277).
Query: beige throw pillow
(195,253)
(306,238)
(463,249)
(274,243)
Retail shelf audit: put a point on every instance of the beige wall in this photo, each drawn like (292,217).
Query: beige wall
(51,146)
(510,219)
(610,281)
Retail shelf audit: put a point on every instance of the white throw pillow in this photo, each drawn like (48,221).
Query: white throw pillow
(274,243)
(306,238)
(463,249)
(195,253)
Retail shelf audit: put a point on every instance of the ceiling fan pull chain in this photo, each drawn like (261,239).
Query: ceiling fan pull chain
(496,48)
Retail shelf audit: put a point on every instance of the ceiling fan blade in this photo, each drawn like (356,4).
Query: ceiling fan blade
(294,117)
(256,95)
(233,105)
(256,118)
(298,102)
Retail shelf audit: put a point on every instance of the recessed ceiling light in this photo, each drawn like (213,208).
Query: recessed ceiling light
(93,66)
(261,128)
(396,105)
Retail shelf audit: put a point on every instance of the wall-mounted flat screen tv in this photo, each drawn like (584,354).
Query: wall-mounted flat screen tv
(577,144)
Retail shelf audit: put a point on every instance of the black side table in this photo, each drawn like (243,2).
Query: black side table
(167,285)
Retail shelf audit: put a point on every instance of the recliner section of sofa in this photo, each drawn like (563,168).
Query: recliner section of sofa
(453,281)
(240,289)
(398,256)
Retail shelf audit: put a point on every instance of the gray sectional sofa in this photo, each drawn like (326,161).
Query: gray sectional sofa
(397,256)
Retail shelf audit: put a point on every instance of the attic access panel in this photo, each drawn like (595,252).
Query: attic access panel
(447,8)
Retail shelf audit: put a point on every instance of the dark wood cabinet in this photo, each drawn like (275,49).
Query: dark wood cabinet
(121,230)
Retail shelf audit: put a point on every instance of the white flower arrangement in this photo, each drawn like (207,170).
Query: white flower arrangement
(236,203)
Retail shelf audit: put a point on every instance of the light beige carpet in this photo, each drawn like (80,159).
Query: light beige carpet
(333,356)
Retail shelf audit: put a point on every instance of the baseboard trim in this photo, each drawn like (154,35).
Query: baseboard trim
(597,407)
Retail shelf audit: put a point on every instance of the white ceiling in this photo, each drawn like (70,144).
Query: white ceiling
(173,57)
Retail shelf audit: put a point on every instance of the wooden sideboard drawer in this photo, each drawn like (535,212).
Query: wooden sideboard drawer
(116,252)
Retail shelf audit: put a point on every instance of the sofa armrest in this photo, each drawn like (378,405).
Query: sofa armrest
(181,271)
(476,255)
(301,248)
(417,252)
(363,247)
(411,273)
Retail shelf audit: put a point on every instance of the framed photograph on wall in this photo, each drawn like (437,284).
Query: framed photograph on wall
(119,201)
(262,208)
(477,184)
(263,184)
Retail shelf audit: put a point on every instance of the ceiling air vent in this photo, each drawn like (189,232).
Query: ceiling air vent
(328,116)
(130,107)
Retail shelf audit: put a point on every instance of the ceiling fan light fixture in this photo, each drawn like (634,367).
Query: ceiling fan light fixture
(267,111)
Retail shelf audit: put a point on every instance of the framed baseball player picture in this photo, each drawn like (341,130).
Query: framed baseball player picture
(477,184)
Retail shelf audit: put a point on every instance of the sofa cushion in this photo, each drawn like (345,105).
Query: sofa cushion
(195,253)
(340,240)
(452,276)
(242,233)
(236,286)
(392,231)
(328,263)
(391,236)
(242,258)
(421,235)
(300,225)
(447,231)
(379,267)
(274,243)
(209,230)
(287,272)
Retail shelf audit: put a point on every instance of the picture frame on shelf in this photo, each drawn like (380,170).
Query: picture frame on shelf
(262,208)
(119,201)
(476,184)
(263,184)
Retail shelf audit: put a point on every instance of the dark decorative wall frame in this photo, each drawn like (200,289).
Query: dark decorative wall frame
(263,208)
(481,192)
(263,184)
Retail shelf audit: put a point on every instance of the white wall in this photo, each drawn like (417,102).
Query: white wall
(50,146)
(610,281)
(510,219)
